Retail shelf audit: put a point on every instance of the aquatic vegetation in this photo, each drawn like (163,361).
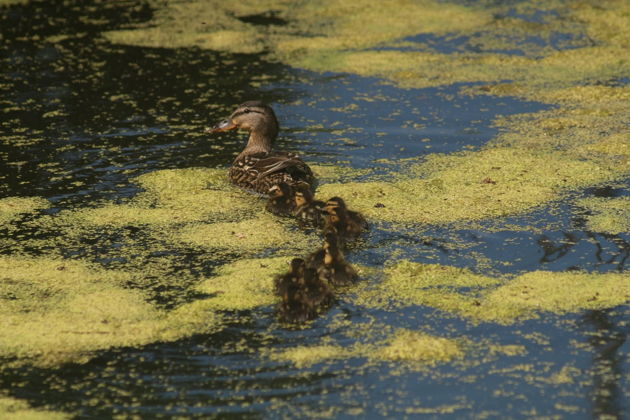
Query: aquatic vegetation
(609,215)
(302,356)
(244,284)
(18,409)
(12,207)
(412,348)
(502,300)
(57,310)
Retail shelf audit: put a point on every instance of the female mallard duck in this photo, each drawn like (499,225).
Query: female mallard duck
(308,211)
(330,265)
(257,168)
(346,223)
(302,293)
(281,201)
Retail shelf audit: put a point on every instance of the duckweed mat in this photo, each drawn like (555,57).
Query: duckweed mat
(485,142)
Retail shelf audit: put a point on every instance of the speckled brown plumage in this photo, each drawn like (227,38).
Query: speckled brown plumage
(281,200)
(308,211)
(330,264)
(302,294)
(347,224)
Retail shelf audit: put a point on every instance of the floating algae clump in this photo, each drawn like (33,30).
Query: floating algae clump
(11,207)
(413,346)
(544,291)
(309,29)
(244,284)
(262,232)
(406,346)
(12,408)
(174,196)
(57,310)
(610,215)
(484,298)
(303,356)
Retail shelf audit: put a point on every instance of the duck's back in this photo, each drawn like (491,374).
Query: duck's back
(260,171)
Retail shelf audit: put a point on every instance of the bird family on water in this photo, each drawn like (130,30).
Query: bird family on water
(288,183)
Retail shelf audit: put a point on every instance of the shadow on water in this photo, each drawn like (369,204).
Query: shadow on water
(82,117)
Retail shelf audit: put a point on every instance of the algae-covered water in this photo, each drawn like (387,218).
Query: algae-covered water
(486,142)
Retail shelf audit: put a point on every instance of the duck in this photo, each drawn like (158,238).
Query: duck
(346,223)
(330,265)
(257,167)
(281,201)
(302,294)
(308,211)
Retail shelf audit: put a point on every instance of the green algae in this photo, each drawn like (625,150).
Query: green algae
(502,300)
(244,284)
(13,408)
(406,347)
(57,310)
(608,215)
(416,347)
(12,207)
(564,292)
(310,27)
(304,356)
(260,233)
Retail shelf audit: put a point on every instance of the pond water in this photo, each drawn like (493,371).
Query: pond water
(82,118)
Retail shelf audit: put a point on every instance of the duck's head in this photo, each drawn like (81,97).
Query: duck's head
(253,116)
(302,196)
(335,208)
(280,190)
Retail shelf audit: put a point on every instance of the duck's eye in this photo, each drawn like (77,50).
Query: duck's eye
(247,111)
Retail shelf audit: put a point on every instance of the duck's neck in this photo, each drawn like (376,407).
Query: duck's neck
(257,143)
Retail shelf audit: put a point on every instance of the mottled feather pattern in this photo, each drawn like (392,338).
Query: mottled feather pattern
(259,172)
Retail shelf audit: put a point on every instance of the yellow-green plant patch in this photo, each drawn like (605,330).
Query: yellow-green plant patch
(263,232)
(557,292)
(608,215)
(493,299)
(13,408)
(244,284)
(409,347)
(57,310)
(304,356)
(11,207)
(416,347)
(492,182)
(311,27)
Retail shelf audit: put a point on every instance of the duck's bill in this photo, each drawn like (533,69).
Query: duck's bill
(224,125)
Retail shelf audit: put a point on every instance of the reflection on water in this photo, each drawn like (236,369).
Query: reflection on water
(81,117)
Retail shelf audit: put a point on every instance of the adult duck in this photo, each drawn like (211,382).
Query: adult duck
(257,168)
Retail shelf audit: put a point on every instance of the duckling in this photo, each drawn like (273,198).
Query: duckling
(346,223)
(308,211)
(330,264)
(303,294)
(257,168)
(281,202)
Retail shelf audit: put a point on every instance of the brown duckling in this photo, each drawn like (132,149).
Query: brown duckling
(281,201)
(330,264)
(302,293)
(308,211)
(257,168)
(346,223)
